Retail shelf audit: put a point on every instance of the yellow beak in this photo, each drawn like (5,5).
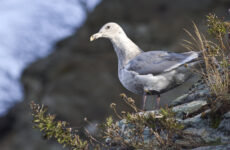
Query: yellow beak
(95,36)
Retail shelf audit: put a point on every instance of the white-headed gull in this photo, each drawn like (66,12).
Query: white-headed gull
(147,73)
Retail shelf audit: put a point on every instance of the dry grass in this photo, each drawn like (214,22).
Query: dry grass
(161,126)
(216,64)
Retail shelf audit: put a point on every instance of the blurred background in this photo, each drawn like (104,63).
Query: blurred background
(46,56)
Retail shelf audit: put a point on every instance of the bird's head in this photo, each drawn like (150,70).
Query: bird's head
(109,30)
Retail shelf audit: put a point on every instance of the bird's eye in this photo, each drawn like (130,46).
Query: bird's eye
(107,27)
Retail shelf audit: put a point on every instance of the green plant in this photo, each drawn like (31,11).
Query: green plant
(216,26)
(161,127)
(59,130)
(216,63)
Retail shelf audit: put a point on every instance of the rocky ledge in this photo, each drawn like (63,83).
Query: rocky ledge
(207,129)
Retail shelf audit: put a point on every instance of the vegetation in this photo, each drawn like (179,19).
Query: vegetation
(58,130)
(159,124)
(157,129)
(138,130)
(216,65)
(216,62)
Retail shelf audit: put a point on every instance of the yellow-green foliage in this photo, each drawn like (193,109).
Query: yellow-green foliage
(162,128)
(58,130)
(162,125)
(218,78)
(216,65)
(216,62)
(216,26)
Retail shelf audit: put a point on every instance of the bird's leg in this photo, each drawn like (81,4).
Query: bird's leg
(144,100)
(158,101)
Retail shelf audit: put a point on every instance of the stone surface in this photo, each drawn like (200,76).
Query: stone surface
(179,100)
(196,128)
(208,134)
(188,108)
(218,147)
(225,124)
(195,121)
(227,115)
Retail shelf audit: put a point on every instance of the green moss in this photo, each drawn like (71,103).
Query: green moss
(214,143)
(215,121)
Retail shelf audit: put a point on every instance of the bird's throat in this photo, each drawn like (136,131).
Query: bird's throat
(125,50)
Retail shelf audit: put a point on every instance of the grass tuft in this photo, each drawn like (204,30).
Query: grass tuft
(216,62)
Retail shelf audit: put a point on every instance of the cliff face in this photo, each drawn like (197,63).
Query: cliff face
(79,79)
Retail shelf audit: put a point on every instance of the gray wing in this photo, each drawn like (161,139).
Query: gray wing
(157,62)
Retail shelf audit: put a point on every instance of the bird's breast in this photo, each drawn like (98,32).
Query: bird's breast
(130,81)
(163,82)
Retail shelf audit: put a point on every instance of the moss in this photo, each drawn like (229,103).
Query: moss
(215,121)
(214,143)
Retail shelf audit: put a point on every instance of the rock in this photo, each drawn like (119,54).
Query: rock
(179,100)
(224,125)
(204,133)
(197,94)
(199,91)
(188,108)
(208,135)
(218,147)
(227,115)
(197,129)
(195,121)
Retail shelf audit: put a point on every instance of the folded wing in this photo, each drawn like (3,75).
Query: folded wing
(157,62)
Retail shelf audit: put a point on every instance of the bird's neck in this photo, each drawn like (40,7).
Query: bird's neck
(125,49)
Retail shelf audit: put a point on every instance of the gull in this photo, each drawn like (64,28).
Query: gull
(147,73)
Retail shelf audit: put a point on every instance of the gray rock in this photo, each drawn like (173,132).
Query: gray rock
(218,147)
(195,121)
(188,108)
(197,94)
(179,100)
(204,133)
(225,126)
(208,135)
(203,92)
(227,115)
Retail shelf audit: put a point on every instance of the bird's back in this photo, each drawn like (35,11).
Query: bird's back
(157,71)
(158,62)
